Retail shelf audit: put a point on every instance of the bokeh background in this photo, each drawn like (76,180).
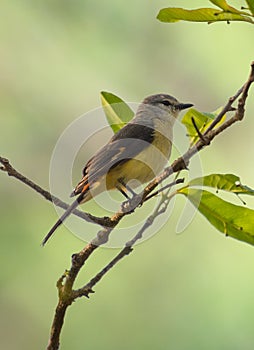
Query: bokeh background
(188,291)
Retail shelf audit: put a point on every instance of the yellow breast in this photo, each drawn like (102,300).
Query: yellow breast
(145,166)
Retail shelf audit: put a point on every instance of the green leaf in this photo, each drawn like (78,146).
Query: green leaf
(226,7)
(118,113)
(202,120)
(250,4)
(174,14)
(225,182)
(232,220)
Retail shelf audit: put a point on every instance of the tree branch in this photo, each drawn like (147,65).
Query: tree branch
(8,168)
(178,165)
(160,209)
(65,284)
(182,162)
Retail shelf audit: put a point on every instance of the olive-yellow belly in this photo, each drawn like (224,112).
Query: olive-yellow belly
(143,168)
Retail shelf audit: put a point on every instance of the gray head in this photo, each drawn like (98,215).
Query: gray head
(167,103)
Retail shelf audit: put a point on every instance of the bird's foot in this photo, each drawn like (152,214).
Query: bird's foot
(131,204)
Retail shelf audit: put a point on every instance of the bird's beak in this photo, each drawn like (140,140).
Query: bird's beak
(182,106)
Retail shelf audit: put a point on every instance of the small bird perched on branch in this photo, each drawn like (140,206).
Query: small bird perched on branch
(139,151)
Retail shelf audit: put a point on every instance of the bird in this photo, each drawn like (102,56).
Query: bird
(139,151)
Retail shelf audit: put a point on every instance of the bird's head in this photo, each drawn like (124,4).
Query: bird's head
(167,103)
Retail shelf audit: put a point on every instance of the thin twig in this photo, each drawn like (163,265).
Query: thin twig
(176,182)
(227,108)
(160,209)
(182,162)
(202,137)
(7,167)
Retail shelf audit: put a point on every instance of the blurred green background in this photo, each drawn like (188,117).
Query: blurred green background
(189,291)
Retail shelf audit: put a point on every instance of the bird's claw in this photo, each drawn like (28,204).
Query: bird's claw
(131,204)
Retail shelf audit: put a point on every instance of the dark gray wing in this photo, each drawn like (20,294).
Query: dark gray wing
(124,145)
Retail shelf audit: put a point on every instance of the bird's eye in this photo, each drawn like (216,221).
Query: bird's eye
(166,103)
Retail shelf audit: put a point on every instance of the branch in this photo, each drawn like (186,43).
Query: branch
(103,235)
(160,209)
(65,284)
(8,168)
(182,162)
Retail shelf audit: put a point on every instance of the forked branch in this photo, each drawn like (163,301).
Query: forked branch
(67,294)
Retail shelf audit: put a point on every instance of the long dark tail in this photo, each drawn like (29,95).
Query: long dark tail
(63,217)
